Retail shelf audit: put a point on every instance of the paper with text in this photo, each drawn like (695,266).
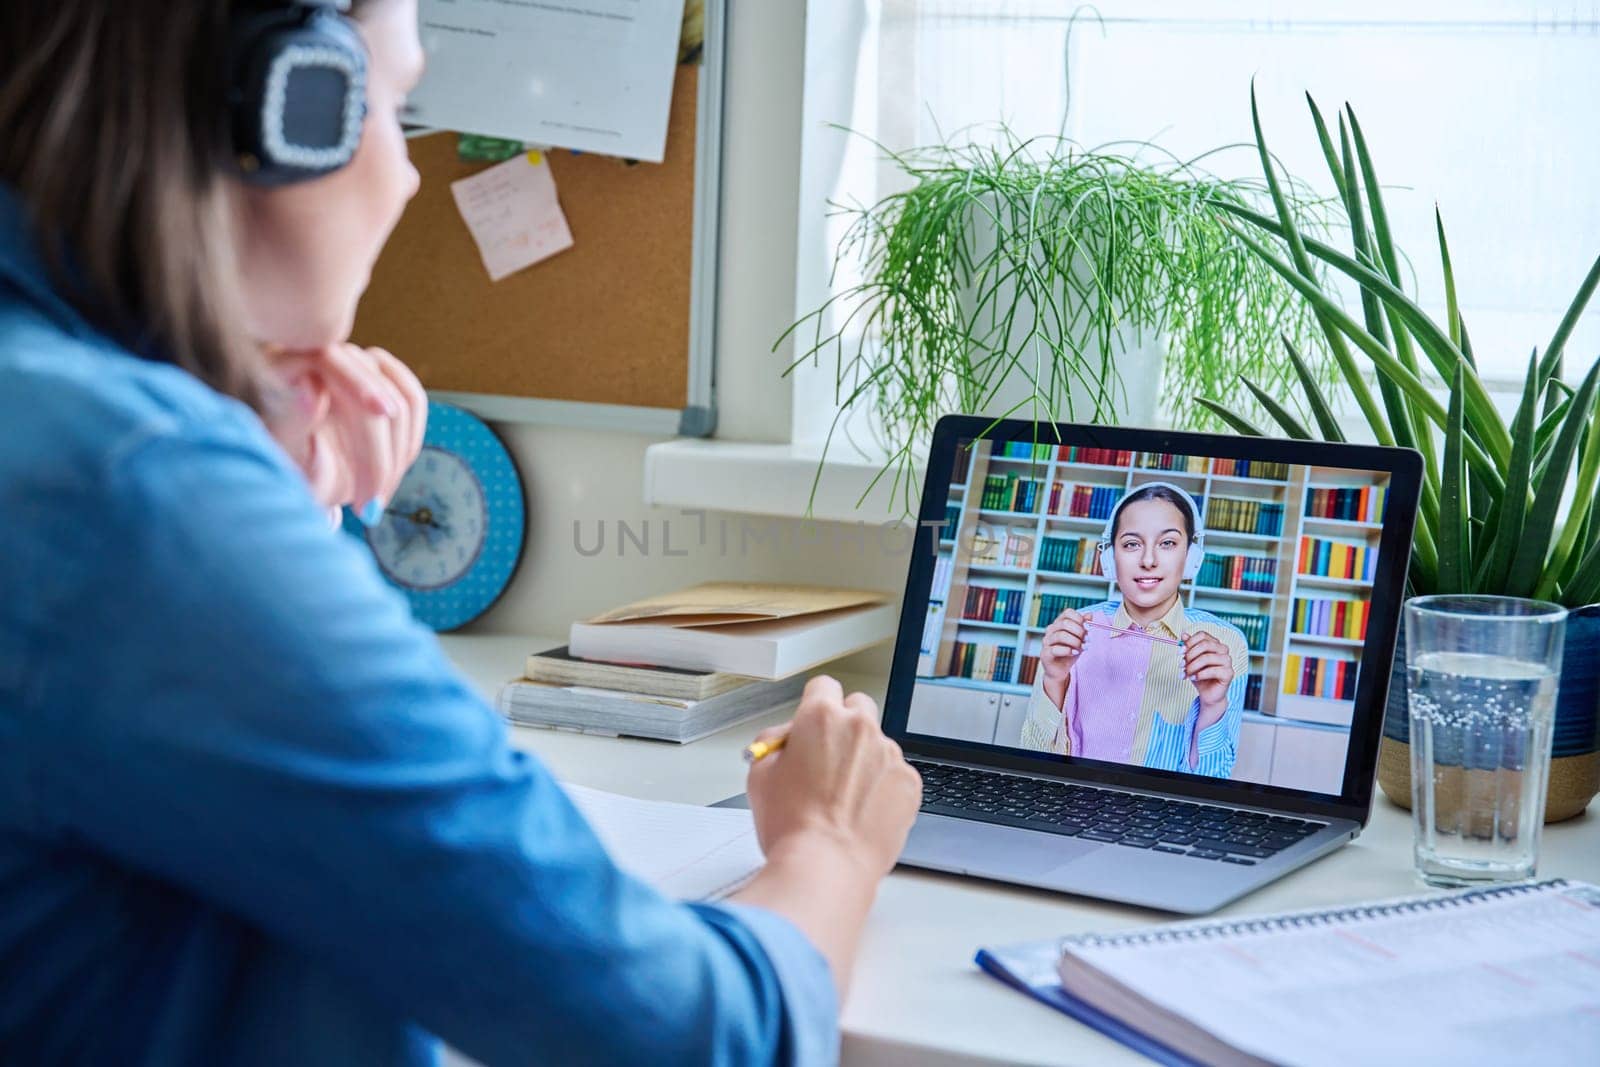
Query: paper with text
(595,75)
(685,851)
(513,214)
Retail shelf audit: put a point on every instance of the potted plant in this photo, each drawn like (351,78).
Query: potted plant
(1043,280)
(1505,509)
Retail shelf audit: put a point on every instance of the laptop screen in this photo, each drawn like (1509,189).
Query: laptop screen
(1197,614)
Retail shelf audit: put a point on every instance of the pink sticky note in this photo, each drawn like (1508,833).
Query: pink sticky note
(513,214)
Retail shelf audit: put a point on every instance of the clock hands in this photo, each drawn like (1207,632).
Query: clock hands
(420,516)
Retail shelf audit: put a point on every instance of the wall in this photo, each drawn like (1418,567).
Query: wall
(583,485)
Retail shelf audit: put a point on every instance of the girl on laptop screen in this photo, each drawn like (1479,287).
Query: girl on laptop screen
(1143,679)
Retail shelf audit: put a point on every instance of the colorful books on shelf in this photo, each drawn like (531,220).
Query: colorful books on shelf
(1098,457)
(1250,468)
(1256,628)
(1167,461)
(1237,515)
(1331,617)
(1007,492)
(1328,558)
(1252,691)
(981,661)
(1025,450)
(1046,606)
(1069,555)
(1320,676)
(1350,503)
(952,521)
(989,604)
(1001,546)
(1088,501)
(1028,671)
(961,470)
(1247,573)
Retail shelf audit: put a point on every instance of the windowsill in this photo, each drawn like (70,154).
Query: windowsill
(755,478)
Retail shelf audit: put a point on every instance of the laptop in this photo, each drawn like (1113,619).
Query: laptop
(1146,666)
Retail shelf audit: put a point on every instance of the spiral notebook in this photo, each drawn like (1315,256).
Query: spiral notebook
(1503,975)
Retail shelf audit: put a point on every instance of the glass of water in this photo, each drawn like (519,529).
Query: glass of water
(1481,672)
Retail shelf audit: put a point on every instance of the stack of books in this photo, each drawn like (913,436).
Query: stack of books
(687,664)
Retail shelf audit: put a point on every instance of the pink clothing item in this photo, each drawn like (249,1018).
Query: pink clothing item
(1105,697)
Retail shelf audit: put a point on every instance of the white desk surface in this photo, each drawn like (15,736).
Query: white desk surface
(917,998)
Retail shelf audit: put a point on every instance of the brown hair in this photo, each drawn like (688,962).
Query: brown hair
(113,130)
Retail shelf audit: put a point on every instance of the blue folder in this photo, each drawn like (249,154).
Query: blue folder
(1021,968)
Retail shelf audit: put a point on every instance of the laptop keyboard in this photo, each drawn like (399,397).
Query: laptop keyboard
(1203,831)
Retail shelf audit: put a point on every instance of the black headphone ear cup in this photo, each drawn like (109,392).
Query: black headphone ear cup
(297,103)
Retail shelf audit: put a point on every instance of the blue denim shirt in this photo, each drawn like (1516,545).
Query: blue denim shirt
(249,814)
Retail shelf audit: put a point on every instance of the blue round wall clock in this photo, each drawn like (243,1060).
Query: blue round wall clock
(452,536)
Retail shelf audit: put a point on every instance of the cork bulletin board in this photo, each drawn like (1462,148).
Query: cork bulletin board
(616,331)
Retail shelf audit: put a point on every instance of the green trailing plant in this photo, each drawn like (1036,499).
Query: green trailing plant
(1040,261)
(1506,509)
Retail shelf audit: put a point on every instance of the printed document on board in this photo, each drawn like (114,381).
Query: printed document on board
(595,75)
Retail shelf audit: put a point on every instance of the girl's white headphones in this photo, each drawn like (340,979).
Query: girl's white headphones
(1197,549)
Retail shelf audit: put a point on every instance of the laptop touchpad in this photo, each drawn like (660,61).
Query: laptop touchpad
(989,849)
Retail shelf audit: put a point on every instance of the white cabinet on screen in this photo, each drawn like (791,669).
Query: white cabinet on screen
(1008,727)
(1305,757)
(956,712)
(1257,741)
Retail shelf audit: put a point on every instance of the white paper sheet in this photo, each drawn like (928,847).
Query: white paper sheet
(594,75)
(1513,979)
(513,213)
(687,852)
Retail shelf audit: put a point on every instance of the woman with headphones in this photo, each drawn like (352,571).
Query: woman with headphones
(1144,679)
(248,811)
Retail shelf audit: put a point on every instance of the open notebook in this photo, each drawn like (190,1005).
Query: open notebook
(687,852)
(1503,975)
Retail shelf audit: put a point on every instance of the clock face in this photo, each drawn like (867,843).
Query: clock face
(434,529)
(453,534)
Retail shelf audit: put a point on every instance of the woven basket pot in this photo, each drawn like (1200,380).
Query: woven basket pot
(1575,750)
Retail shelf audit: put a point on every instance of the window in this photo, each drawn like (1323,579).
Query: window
(1485,107)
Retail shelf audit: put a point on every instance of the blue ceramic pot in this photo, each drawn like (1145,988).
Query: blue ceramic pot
(1575,749)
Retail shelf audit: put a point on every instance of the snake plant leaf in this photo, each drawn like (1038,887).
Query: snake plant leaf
(1239,423)
(1482,419)
(1290,233)
(1413,387)
(1453,542)
(1533,551)
(1558,342)
(1452,308)
(1580,512)
(1341,176)
(1321,410)
(1292,426)
(1584,588)
(1514,500)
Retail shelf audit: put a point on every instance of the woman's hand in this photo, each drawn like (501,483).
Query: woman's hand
(1208,664)
(832,809)
(357,422)
(1059,649)
(837,779)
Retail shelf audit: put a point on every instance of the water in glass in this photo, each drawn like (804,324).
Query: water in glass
(1480,754)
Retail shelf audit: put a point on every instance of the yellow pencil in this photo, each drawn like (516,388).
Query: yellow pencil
(758,749)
